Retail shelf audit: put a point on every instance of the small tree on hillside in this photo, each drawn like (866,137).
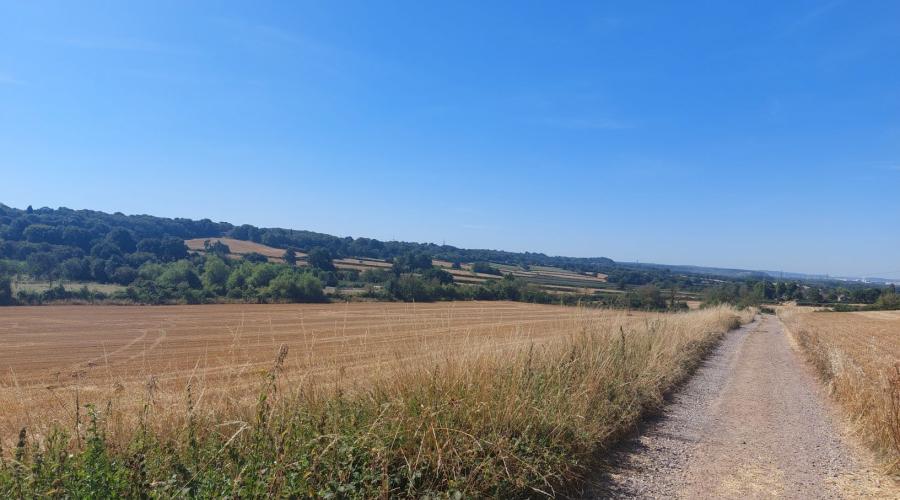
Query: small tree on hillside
(290,257)
(320,258)
(216,248)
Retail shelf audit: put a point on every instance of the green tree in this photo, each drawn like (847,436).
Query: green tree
(812,294)
(180,275)
(290,257)
(296,287)
(485,268)
(439,275)
(263,274)
(6,293)
(888,300)
(320,258)
(76,269)
(650,297)
(410,288)
(216,247)
(215,275)
(123,239)
(239,279)
(123,275)
(411,262)
(780,290)
(255,257)
(41,264)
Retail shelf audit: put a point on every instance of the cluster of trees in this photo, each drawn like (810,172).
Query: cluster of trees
(745,293)
(91,246)
(82,229)
(58,293)
(202,279)
(625,277)
(651,298)
(436,284)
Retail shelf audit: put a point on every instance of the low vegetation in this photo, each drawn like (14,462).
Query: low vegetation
(857,355)
(494,422)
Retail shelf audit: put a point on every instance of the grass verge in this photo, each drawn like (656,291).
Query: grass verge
(520,423)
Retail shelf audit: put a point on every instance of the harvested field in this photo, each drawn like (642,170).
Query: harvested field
(380,400)
(361,264)
(111,351)
(858,355)
(241,247)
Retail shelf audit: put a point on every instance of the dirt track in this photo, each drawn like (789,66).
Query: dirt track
(752,423)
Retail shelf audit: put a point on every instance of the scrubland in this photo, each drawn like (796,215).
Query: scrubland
(511,411)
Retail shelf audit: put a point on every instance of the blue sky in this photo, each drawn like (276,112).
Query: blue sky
(742,134)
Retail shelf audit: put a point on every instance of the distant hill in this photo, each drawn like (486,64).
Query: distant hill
(701,270)
(67,232)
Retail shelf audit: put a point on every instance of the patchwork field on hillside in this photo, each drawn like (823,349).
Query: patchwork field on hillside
(550,279)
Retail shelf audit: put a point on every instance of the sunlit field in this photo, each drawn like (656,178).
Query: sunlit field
(370,399)
(858,354)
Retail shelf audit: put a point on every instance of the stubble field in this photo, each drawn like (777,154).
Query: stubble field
(858,355)
(363,400)
(53,355)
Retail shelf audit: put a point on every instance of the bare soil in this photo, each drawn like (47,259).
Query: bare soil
(753,422)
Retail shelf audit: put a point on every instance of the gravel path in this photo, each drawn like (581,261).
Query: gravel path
(753,422)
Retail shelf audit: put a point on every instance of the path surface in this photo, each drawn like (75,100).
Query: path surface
(752,423)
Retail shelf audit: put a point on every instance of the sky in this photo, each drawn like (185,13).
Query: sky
(756,135)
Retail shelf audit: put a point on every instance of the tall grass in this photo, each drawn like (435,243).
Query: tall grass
(496,422)
(859,364)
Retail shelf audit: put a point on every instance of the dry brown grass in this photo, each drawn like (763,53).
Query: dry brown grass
(858,354)
(103,353)
(486,399)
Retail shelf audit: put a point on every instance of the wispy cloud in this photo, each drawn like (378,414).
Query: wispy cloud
(119,44)
(812,15)
(274,35)
(477,227)
(604,24)
(889,166)
(310,50)
(9,80)
(590,123)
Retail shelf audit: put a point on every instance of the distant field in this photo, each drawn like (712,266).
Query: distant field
(550,279)
(40,286)
(858,354)
(361,264)
(111,351)
(241,247)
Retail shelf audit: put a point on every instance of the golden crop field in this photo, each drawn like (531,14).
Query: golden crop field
(858,354)
(50,353)
(241,247)
(440,388)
